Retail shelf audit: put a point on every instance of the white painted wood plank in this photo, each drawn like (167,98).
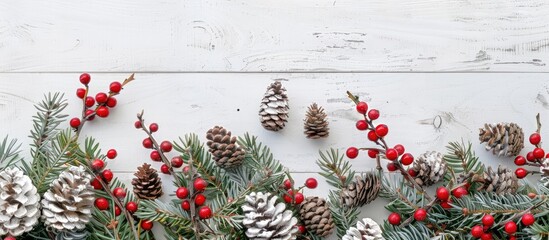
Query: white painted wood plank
(274,35)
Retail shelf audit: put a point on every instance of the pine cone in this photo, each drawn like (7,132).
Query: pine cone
(68,204)
(316,125)
(224,149)
(316,216)
(501,182)
(503,139)
(147,184)
(19,203)
(362,191)
(367,229)
(430,168)
(72,235)
(265,220)
(274,108)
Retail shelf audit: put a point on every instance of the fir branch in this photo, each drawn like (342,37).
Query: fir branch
(168,215)
(415,231)
(344,217)
(462,161)
(337,172)
(46,123)
(9,153)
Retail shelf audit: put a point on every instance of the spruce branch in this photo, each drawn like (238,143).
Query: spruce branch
(335,169)
(462,161)
(9,153)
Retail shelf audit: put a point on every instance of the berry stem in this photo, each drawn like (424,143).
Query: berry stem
(156,146)
(411,218)
(518,215)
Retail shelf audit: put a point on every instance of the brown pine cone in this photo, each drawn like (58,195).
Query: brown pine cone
(147,184)
(316,216)
(362,191)
(316,125)
(224,149)
(503,139)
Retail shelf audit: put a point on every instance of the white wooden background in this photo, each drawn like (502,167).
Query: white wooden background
(202,63)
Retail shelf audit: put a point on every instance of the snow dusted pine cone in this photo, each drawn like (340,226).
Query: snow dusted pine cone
(147,184)
(367,229)
(19,203)
(72,235)
(430,168)
(501,182)
(274,108)
(224,149)
(264,219)
(316,216)
(68,204)
(316,125)
(503,139)
(361,191)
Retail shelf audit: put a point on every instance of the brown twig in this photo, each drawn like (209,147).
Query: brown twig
(156,146)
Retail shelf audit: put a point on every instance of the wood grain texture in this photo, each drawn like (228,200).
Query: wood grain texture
(274,35)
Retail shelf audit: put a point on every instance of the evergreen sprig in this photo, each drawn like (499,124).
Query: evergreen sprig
(344,217)
(462,161)
(46,123)
(9,152)
(335,169)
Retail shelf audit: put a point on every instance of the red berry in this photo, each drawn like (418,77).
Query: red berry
(311,183)
(287,198)
(101,97)
(205,212)
(111,154)
(446,204)
(361,125)
(137,124)
(391,154)
(182,192)
(90,101)
(147,143)
(538,153)
(155,156)
(75,122)
(301,229)
(372,136)
(362,107)
(186,169)
(102,111)
(107,175)
(373,114)
(394,218)
(186,205)
(391,167)
(177,161)
(299,198)
(81,93)
(102,203)
(111,102)
(477,231)
(407,159)
(521,173)
(115,87)
(352,152)
(443,193)
(486,236)
(460,192)
(520,160)
(510,227)
(488,220)
(119,192)
(372,153)
(535,138)
(420,214)
(287,184)
(528,219)
(166,146)
(512,238)
(530,157)
(199,184)
(96,184)
(10,238)
(146,225)
(153,127)
(89,114)
(98,164)
(199,199)
(400,149)
(117,211)
(412,172)
(131,207)
(165,169)
(85,78)
(382,130)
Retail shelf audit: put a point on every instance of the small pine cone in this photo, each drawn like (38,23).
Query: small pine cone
(264,219)
(503,139)
(147,183)
(68,204)
(72,235)
(273,112)
(362,191)
(367,229)
(316,125)
(430,168)
(224,149)
(19,203)
(316,216)
(503,181)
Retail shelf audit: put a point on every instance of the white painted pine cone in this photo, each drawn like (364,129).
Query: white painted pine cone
(19,203)
(367,229)
(266,220)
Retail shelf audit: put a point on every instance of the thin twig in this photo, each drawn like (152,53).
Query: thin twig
(156,146)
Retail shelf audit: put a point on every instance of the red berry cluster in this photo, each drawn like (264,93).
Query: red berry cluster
(158,153)
(197,196)
(295,195)
(376,133)
(536,157)
(510,227)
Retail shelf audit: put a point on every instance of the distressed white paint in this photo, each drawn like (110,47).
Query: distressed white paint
(274,35)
